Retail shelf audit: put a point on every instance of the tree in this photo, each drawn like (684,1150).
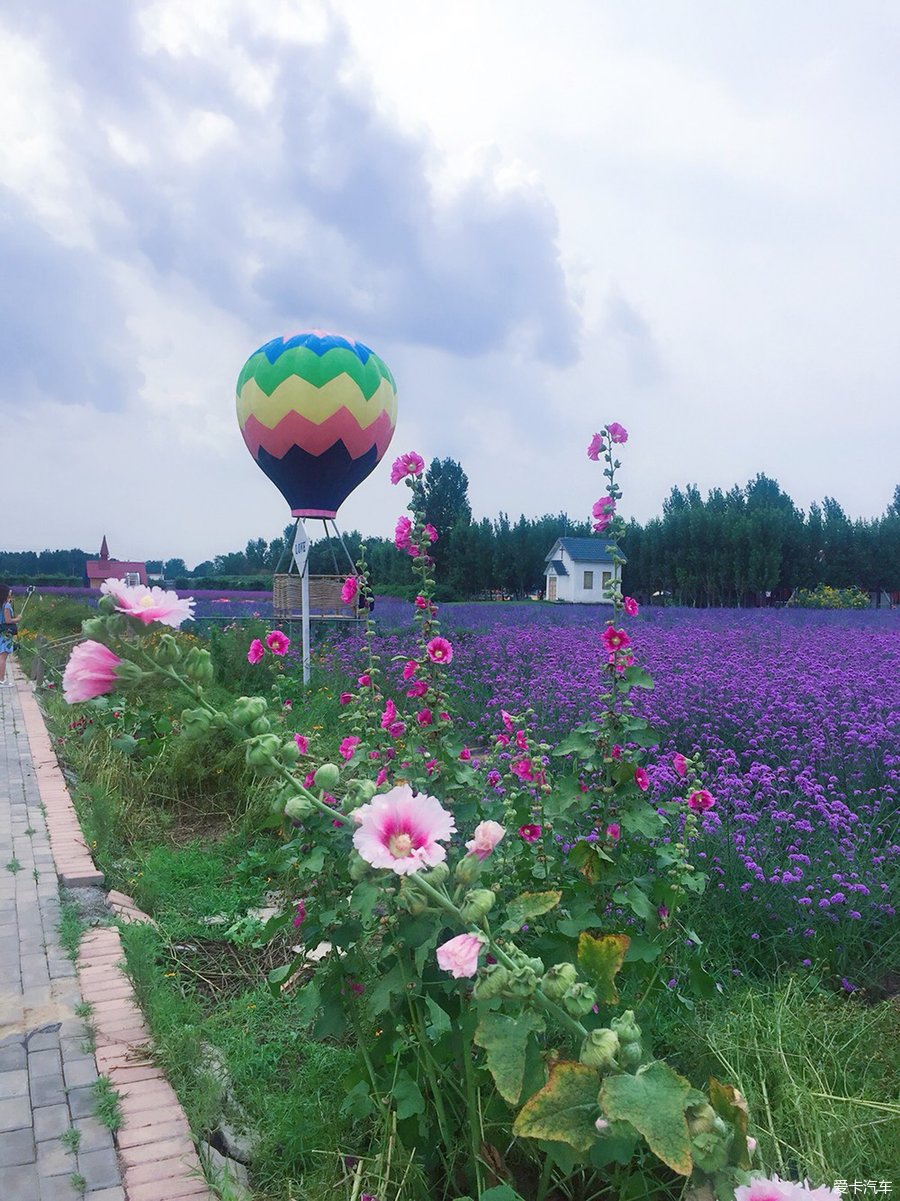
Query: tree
(446,507)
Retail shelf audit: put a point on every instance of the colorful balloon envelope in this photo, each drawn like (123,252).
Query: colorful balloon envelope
(317,412)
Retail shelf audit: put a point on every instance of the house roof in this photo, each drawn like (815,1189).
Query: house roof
(558,566)
(582,550)
(112,569)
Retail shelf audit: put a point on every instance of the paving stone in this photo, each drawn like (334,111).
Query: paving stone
(54,1158)
(99,1168)
(59,1188)
(82,1102)
(47,1090)
(94,1135)
(13,1084)
(107,1194)
(44,1040)
(22,1183)
(78,1072)
(43,1063)
(16,1147)
(50,1121)
(14,1114)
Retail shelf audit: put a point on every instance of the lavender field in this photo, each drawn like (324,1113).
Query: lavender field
(796,715)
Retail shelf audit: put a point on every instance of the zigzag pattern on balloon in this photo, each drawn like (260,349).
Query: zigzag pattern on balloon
(316,403)
(318,368)
(316,437)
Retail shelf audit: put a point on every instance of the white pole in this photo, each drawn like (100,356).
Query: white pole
(301,558)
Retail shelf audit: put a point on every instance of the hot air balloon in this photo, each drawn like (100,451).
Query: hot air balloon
(317,412)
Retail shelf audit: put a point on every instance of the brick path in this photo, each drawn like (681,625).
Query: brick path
(47,1065)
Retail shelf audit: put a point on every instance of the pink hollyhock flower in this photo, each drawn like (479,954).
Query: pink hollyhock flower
(408,464)
(523,769)
(402,831)
(507,720)
(680,764)
(421,602)
(348,746)
(485,837)
(278,642)
(423,717)
(345,698)
(410,667)
(604,508)
(288,705)
(309,780)
(149,604)
(465,754)
(614,831)
(630,605)
(256,652)
(617,433)
(402,533)
(459,956)
(615,640)
(418,688)
(300,915)
(445,716)
(397,729)
(389,715)
(641,779)
(364,680)
(374,754)
(431,532)
(349,590)
(616,751)
(439,650)
(381,778)
(600,527)
(700,801)
(530,833)
(302,743)
(595,448)
(90,672)
(431,766)
(775,1189)
(521,740)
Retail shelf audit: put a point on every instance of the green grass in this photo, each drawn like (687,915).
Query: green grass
(71,928)
(78,1182)
(71,1140)
(14,866)
(106,1104)
(821,1073)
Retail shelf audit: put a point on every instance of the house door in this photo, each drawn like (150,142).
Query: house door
(551,587)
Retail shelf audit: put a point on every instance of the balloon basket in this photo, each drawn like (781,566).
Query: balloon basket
(325,603)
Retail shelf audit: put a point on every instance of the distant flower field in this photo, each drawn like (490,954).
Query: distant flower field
(796,715)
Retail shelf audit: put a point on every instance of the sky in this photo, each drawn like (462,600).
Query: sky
(681,216)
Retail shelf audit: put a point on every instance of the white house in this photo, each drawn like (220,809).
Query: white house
(579,571)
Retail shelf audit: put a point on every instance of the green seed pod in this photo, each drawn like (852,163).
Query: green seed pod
(198,666)
(262,751)
(438,875)
(468,869)
(364,789)
(522,982)
(410,899)
(128,673)
(94,627)
(710,1151)
(298,807)
(261,725)
(477,904)
(492,981)
(626,1027)
(701,1119)
(327,776)
(195,723)
(219,720)
(290,752)
(579,999)
(599,1050)
(168,652)
(106,604)
(248,708)
(558,980)
(357,867)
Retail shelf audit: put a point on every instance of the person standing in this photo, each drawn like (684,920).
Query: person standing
(7,627)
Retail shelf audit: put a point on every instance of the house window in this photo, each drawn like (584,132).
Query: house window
(588,581)
(607,580)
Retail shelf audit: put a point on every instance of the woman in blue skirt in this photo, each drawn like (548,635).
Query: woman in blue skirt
(7,617)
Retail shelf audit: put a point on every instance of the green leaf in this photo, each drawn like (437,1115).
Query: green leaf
(407,1097)
(636,900)
(383,993)
(505,1040)
(440,1021)
(653,1101)
(126,743)
(641,819)
(527,905)
(642,950)
(279,976)
(731,1107)
(564,1110)
(588,859)
(600,959)
(500,1192)
(637,677)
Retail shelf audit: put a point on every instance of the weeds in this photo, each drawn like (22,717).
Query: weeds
(71,1140)
(14,866)
(71,928)
(106,1104)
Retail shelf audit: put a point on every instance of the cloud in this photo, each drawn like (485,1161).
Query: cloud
(207,148)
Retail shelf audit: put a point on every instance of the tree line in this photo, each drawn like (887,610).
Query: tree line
(744,546)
